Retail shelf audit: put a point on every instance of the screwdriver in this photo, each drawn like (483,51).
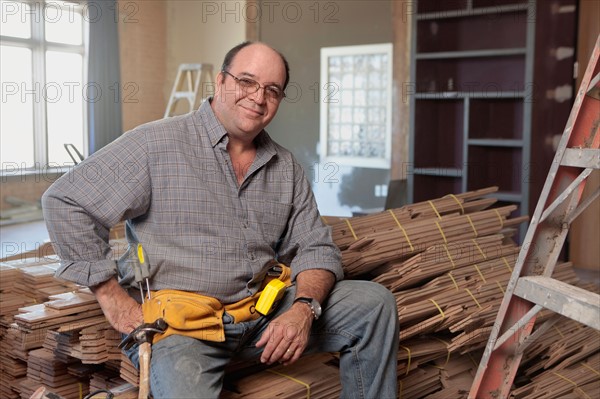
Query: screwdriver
(141,271)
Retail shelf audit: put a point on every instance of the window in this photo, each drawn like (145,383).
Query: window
(42,60)
(356,101)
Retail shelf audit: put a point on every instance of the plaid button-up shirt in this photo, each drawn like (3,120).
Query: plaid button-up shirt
(202,231)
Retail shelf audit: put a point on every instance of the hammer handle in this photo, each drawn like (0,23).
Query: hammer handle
(144,352)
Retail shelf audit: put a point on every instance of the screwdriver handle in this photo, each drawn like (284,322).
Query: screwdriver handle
(143,262)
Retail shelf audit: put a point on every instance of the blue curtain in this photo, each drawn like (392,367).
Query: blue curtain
(104,76)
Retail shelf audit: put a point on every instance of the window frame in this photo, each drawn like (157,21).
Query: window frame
(327,93)
(39,46)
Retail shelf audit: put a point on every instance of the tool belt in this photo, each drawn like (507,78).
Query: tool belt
(200,316)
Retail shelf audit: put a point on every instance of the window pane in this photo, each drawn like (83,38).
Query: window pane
(63,25)
(64,93)
(16,108)
(16,19)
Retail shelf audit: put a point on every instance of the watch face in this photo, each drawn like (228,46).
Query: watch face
(316,308)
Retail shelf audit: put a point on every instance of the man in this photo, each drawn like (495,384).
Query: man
(214,201)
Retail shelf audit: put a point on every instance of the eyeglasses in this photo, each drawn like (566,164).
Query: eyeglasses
(249,86)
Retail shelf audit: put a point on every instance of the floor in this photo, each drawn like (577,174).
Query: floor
(22,237)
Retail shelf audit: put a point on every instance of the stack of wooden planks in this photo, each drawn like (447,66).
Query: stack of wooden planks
(448,271)
(25,282)
(316,376)
(43,369)
(447,261)
(381,242)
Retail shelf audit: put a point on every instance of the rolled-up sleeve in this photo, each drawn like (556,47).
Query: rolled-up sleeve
(82,205)
(308,240)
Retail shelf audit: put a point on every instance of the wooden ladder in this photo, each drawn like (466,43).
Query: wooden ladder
(187,84)
(531,287)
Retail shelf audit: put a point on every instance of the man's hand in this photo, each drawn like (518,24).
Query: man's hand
(121,310)
(286,337)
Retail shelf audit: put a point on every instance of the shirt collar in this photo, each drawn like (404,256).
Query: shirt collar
(216,131)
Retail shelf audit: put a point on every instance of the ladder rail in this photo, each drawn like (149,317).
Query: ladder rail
(188,84)
(541,249)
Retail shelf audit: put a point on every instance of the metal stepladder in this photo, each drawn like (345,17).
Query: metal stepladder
(188,84)
(531,287)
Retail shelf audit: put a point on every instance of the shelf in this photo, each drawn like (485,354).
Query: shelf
(427,187)
(501,166)
(449,95)
(433,119)
(495,143)
(472,95)
(472,33)
(471,53)
(508,196)
(485,74)
(438,172)
(496,119)
(469,12)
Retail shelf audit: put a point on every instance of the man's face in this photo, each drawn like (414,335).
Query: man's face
(242,112)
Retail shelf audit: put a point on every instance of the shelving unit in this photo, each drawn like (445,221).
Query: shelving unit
(472,104)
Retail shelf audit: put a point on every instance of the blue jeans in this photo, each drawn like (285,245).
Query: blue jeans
(359,320)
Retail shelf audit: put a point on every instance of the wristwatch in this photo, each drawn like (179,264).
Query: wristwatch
(315,306)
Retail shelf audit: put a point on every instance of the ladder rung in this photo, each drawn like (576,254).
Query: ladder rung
(581,158)
(190,67)
(562,298)
(183,94)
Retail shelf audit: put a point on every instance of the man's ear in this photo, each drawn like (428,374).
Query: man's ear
(219,80)
(218,84)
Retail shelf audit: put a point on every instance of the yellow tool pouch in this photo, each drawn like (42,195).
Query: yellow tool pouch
(199,316)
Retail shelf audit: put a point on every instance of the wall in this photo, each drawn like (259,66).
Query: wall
(143,53)
(201,32)
(299,29)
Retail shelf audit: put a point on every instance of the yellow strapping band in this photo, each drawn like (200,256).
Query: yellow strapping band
(479,248)
(293,379)
(587,366)
(351,229)
(568,380)
(462,210)
(449,256)
(559,332)
(403,231)
(473,296)
(435,210)
(438,308)
(472,225)
(506,263)
(499,218)
(445,343)
(400,389)
(407,364)
(500,286)
(324,220)
(80,390)
(441,232)
(479,271)
(453,280)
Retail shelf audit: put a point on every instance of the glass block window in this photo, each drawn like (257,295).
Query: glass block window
(355,126)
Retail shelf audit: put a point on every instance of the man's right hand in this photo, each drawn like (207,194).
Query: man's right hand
(121,310)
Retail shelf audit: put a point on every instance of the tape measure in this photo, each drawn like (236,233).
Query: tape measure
(272,293)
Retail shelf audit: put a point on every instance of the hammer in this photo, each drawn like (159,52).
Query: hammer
(143,335)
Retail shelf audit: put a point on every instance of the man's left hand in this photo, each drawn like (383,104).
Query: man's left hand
(286,337)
